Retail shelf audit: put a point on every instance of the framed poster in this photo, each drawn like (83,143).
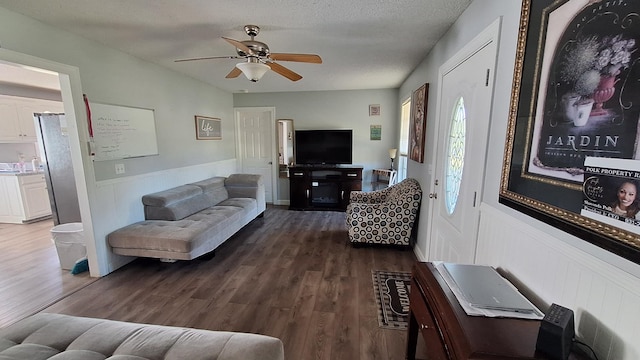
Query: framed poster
(374,110)
(573,97)
(375,132)
(208,128)
(418,126)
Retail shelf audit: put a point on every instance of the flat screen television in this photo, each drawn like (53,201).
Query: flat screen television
(329,147)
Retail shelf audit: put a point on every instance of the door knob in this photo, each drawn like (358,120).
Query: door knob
(433,195)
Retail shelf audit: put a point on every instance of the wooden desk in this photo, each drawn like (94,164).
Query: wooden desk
(449,333)
(383,178)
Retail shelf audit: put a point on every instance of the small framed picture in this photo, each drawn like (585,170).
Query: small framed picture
(374,110)
(375,132)
(208,128)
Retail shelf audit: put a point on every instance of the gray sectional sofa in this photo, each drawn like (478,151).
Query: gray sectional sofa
(191,220)
(63,337)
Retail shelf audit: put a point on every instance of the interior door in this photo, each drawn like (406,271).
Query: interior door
(464,113)
(256,151)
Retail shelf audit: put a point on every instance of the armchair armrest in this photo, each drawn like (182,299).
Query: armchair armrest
(357,196)
(385,216)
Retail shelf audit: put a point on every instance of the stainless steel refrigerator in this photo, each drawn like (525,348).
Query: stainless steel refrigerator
(58,169)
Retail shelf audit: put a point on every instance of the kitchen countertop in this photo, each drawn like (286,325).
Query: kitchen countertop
(17,173)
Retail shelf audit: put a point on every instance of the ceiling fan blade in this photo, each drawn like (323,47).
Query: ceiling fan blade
(307,58)
(234,73)
(284,71)
(209,58)
(238,45)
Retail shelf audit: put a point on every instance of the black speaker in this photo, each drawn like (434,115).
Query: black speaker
(556,333)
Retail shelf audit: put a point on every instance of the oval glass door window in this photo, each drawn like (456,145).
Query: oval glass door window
(455,156)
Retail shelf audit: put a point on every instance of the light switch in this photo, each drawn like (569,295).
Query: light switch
(119,168)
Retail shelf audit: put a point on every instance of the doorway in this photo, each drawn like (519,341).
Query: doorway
(33,262)
(255,137)
(464,111)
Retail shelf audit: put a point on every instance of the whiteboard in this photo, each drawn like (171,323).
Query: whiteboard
(121,132)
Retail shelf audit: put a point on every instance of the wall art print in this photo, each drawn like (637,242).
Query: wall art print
(576,95)
(417,127)
(208,128)
(587,88)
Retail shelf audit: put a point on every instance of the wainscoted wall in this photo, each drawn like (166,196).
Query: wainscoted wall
(605,299)
(122,196)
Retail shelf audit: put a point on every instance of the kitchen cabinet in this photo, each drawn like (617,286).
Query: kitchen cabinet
(9,128)
(16,117)
(23,197)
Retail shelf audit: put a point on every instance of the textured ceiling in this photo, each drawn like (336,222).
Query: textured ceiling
(364,44)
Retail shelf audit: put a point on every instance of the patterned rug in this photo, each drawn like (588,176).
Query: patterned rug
(391,290)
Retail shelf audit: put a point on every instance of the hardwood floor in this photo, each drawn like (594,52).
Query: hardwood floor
(292,275)
(30,274)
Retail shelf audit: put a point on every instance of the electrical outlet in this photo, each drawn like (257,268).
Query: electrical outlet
(119,168)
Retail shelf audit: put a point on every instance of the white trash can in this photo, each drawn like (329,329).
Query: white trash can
(69,240)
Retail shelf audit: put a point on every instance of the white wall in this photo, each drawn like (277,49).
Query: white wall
(112,77)
(603,289)
(338,110)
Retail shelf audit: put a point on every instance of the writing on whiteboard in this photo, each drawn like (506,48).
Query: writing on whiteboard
(123,132)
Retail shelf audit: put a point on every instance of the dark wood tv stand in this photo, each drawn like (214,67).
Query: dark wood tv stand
(323,187)
(449,333)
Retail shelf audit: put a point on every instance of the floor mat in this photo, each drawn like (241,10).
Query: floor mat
(391,290)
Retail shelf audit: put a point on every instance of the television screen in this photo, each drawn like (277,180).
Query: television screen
(323,146)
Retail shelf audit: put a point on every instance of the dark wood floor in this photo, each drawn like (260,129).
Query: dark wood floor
(30,274)
(291,274)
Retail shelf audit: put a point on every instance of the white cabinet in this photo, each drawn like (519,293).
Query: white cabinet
(23,198)
(9,127)
(11,210)
(35,198)
(16,117)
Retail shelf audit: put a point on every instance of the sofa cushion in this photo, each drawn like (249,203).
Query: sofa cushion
(175,203)
(248,204)
(214,189)
(175,236)
(170,196)
(63,337)
(247,180)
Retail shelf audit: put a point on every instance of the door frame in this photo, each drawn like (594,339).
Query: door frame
(75,112)
(274,157)
(490,34)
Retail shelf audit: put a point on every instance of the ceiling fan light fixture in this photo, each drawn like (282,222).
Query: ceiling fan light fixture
(253,70)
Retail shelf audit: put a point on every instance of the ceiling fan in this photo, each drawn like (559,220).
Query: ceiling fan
(259,59)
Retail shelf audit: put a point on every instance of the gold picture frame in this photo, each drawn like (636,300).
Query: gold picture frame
(417,127)
(543,171)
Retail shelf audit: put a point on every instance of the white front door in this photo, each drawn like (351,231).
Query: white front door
(256,152)
(466,93)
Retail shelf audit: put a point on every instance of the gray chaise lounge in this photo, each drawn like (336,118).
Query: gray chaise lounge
(191,220)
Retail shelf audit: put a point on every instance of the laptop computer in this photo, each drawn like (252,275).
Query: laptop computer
(485,288)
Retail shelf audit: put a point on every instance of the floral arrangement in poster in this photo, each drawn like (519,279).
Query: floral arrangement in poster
(591,66)
(589,106)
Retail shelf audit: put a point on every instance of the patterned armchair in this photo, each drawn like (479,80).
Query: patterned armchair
(384,216)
